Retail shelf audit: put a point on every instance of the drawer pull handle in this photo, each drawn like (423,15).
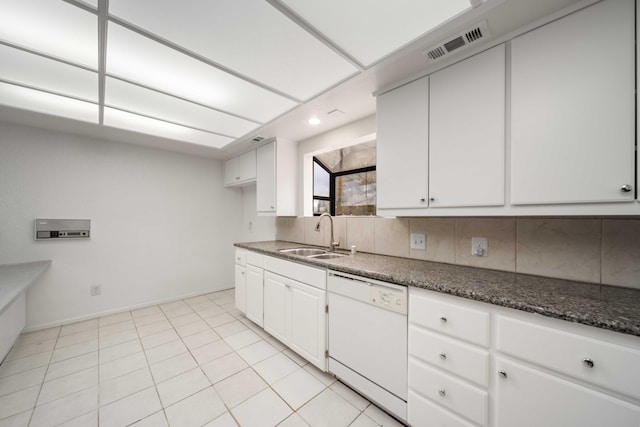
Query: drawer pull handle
(502,374)
(587,362)
(443,356)
(443,319)
(442,392)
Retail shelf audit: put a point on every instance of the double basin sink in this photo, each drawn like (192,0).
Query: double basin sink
(312,253)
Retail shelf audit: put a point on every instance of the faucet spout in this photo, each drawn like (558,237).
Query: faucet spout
(333,244)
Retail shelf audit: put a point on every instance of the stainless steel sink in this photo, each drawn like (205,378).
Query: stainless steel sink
(303,251)
(327,256)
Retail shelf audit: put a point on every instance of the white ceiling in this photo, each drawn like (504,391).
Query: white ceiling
(204,77)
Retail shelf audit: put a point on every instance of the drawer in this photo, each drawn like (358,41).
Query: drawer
(448,391)
(450,355)
(454,320)
(315,277)
(254,258)
(423,412)
(614,367)
(241,257)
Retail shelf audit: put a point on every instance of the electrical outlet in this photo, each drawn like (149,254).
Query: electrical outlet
(479,246)
(95,290)
(418,241)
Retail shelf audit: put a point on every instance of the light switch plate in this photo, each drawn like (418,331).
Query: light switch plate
(418,242)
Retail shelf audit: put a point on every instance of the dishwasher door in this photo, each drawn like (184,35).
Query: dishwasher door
(365,337)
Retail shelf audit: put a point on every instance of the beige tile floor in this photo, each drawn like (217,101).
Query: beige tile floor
(192,362)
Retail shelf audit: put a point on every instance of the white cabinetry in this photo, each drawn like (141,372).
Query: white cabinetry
(294,313)
(572,108)
(402,146)
(477,364)
(241,280)
(448,361)
(255,288)
(241,169)
(466,132)
(528,397)
(276,178)
(559,378)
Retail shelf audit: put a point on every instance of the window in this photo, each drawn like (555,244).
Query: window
(344,181)
(321,189)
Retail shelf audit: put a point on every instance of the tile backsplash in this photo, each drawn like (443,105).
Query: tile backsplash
(603,251)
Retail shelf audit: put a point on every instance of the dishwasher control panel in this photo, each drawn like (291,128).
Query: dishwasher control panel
(385,295)
(389,298)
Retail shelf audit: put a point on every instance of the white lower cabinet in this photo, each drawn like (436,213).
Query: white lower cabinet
(530,397)
(255,294)
(275,304)
(478,364)
(448,361)
(240,281)
(294,313)
(288,300)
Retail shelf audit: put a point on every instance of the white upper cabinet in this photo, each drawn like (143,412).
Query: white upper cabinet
(276,178)
(402,146)
(572,108)
(466,132)
(240,169)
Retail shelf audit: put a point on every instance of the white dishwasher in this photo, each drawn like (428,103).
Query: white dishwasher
(368,338)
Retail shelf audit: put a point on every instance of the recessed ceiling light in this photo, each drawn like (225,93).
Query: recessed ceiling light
(313,121)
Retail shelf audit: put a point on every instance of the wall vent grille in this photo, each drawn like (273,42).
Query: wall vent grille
(462,40)
(257,139)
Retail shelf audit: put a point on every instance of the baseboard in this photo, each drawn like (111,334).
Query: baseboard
(37,327)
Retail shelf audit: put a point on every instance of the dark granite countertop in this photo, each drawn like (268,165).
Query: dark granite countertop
(607,307)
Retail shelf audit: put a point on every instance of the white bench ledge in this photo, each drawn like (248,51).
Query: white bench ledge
(17,278)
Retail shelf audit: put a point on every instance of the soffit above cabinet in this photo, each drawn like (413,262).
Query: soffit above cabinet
(209,73)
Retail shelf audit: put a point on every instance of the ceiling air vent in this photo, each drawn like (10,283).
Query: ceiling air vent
(257,139)
(462,40)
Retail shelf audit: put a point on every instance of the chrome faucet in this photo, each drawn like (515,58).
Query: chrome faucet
(332,244)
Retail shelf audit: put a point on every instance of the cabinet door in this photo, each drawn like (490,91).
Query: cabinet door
(247,166)
(466,132)
(240,291)
(528,397)
(275,306)
(572,108)
(402,146)
(255,295)
(231,171)
(266,178)
(308,323)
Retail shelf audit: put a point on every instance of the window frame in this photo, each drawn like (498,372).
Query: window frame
(332,184)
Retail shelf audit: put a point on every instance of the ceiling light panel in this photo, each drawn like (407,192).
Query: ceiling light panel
(136,123)
(142,60)
(130,97)
(368,30)
(248,36)
(55,28)
(42,73)
(42,102)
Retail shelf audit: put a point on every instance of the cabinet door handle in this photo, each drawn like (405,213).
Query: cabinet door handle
(442,392)
(626,188)
(443,356)
(432,199)
(502,374)
(443,319)
(422,200)
(587,362)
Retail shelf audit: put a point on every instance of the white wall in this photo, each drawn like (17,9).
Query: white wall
(162,223)
(255,228)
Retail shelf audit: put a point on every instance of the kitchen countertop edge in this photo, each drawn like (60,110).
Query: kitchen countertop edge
(601,306)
